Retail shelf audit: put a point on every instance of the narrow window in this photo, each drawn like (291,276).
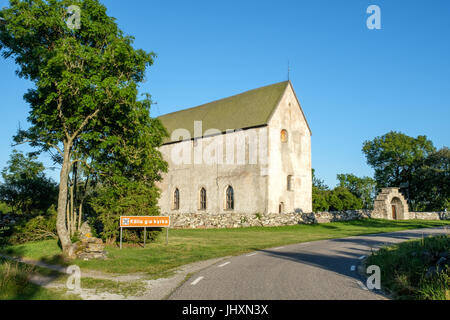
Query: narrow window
(229,198)
(203,199)
(290,182)
(284,136)
(176,199)
(281,207)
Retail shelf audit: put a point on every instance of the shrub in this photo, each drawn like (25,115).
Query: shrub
(417,269)
(41,227)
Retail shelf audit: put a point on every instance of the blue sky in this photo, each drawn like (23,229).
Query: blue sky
(353,83)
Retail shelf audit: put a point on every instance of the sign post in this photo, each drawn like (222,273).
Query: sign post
(145,222)
(121,238)
(145,235)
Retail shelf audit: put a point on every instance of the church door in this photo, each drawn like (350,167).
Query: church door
(394,212)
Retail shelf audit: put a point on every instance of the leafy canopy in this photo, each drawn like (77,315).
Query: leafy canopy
(25,187)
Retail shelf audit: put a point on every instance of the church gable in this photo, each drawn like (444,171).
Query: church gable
(288,109)
(246,110)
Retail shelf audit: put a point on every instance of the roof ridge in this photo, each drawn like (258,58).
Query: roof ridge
(232,96)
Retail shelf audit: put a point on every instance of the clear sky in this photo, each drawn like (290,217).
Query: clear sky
(353,83)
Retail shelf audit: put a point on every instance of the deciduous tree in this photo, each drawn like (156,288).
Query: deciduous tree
(84,102)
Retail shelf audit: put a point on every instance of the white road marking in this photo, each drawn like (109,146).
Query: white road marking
(197,281)
(224,264)
(252,254)
(362,257)
(278,248)
(362,286)
(353,268)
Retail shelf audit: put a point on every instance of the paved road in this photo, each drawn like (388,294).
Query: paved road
(314,270)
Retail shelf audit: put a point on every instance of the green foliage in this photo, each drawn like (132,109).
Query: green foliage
(318,183)
(41,227)
(341,199)
(191,245)
(5,208)
(363,188)
(410,270)
(320,199)
(15,284)
(26,189)
(337,199)
(124,198)
(429,185)
(84,104)
(413,164)
(394,156)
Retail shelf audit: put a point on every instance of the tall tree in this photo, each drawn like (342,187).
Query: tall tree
(25,187)
(430,183)
(84,103)
(395,156)
(364,188)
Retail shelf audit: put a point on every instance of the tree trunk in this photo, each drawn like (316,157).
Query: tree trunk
(80,213)
(62,203)
(72,211)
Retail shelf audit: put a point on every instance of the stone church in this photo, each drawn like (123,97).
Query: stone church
(249,153)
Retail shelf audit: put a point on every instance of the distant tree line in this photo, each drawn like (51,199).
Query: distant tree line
(420,170)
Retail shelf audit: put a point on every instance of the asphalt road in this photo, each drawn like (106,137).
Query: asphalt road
(314,270)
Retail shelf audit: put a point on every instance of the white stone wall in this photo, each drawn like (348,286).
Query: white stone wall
(291,158)
(259,181)
(430,215)
(236,220)
(248,179)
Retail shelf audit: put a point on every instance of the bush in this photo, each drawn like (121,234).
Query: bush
(127,198)
(26,189)
(338,199)
(341,198)
(41,227)
(417,269)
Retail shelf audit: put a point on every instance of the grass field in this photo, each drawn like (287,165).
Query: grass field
(14,284)
(187,246)
(411,270)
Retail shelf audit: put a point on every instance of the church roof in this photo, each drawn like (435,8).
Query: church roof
(245,110)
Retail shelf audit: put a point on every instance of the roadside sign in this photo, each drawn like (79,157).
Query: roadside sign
(144,222)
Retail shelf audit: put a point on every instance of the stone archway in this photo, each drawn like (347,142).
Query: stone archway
(390,204)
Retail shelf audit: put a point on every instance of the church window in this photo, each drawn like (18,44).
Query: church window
(281,207)
(202,199)
(290,183)
(229,203)
(284,136)
(176,199)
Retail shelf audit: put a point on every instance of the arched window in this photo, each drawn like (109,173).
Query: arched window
(202,199)
(284,136)
(176,199)
(229,200)
(281,207)
(290,183)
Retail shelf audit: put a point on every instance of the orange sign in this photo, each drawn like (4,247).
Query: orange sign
(142,222)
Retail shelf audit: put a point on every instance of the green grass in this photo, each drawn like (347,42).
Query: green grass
(128,288)
(187,246)
(14,284)
(404,269)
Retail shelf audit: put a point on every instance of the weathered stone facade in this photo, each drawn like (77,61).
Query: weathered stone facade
(259,182)
(430,215)
(236,220)
(390,204)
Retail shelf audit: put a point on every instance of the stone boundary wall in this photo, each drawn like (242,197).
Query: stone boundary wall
(430,215)
(236,220)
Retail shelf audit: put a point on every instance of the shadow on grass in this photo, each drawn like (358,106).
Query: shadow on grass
(15,281)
